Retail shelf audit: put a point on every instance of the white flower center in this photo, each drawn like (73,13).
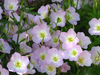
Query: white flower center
(43,56)
(18,64)
(69,16)
(98,28)
(10,6)
(55,40)
(55,58)
(74,53)
(59,20)
(50,68)
(81,60)
(70,39)
(42,35)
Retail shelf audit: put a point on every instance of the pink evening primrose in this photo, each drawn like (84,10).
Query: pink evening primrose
(23,37)
(35,62)
(72,16)
(11,4)
(54,42)
(94,26)
(43,11)
(77,4)
(72,53)
(30,69)
(41,33)
(84,59)
(58,18)
(68,39)
(3,71)
(95,56)
(1,13)
(56,0)
(84,41)
(65,67)
(41,54)
(50,69)
(24,48)
(54,57)
(4,46)
(18,63)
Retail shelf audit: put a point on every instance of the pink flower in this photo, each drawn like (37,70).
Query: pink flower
(54,57)
(1,12)
(78,6)
(43,11)
(11,4)
(18,63)
(30,69)
(4,46)
(72,16)
(94,26)
(94,55)
(41,54)
(72,53)
(68,39)
(84,59)
(23,36)
(50,69)
(24,48)
(65,67)
(58,18)
(41,33)
(35,62)
(54,42)
(84,41)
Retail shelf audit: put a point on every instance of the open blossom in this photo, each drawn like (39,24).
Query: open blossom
(41,33)
(23,37)
(94,26)
(72,16)
(3,71)
(18,63)
(68,39)
(84,59)
(77,4)
(4,46)
(1,12)
(65,67)
(54,57)
(41,54)
(35,62)
(43,11)
(94,55)
(24,48)
(30,69)
(84,41)
(50,69)
(72,53)
(11,4)
(58,18)
(54,42)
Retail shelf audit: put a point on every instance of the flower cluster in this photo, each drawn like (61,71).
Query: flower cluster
(47,38)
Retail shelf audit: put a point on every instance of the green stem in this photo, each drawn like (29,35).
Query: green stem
(21,15)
